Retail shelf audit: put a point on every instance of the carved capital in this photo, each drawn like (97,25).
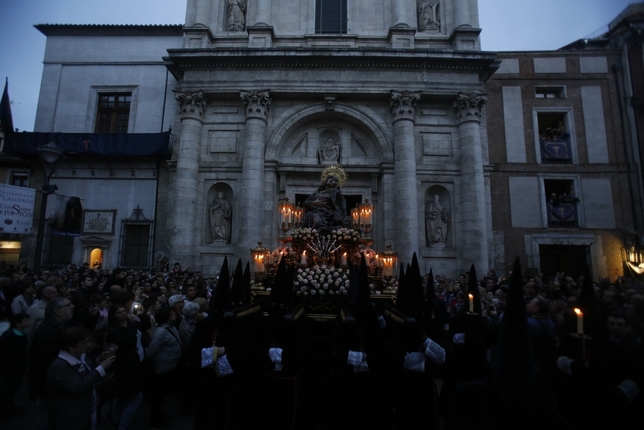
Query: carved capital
(192,103)
(403,104)
(256,103)
(467,107)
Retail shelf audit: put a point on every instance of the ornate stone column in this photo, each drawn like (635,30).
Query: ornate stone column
(461,13)
(192,108)
(202,12)
(403,108)
(473,231)
(251,199)
(403,13)
(263,15)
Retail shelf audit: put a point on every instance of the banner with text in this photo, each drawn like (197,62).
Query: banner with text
(16,209)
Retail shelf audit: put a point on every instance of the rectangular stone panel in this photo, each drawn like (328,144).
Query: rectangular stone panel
(591,100)
(550,65)
(593,65)
(597,200)
(223,141)
(439,144)
(525,202)
(509,65)
(513,121)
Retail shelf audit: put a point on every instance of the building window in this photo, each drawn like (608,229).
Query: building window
(554,138)
(113,112)
(20,179)
(550,92)
(136,241)
(59,249)
(561,203)
(331,16)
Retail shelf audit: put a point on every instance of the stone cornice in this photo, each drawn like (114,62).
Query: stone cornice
(342,58)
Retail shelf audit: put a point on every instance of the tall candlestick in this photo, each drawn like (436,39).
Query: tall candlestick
(303,259)
(343,259)
(471,300)
(580,321)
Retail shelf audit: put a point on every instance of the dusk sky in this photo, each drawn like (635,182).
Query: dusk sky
(508,25)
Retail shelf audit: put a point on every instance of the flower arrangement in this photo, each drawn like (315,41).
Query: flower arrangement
(305,234)
(345,234)
(321,282)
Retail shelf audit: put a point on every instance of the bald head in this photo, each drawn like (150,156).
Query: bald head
(49,293)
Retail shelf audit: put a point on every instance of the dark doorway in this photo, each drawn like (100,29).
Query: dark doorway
(570,259)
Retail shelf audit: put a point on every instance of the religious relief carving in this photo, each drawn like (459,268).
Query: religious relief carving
(428,15)
(221,215)
(329,152)
(436,222)
(192,103)
(403,104)
(236,18)
(468,106)
(256,103)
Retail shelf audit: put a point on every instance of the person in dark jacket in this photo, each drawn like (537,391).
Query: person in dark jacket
(124,332)
(71,382)
(14,345)
(44,348)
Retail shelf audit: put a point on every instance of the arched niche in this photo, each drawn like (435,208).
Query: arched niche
(438,217)
(212,195)
(365,126)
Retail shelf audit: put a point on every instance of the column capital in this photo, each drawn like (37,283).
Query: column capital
(467,107)
(256,103)
(192,103)
(403,104)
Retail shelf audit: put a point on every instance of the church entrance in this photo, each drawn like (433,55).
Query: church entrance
(570,259)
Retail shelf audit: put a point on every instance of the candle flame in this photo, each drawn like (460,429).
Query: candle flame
(471,296)
(578,311)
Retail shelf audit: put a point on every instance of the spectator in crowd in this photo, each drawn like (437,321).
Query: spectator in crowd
(13,363)
(71,383)
(23,301)
(37,310)
(44,348)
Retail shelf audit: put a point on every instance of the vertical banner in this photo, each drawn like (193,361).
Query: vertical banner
(68,216)
(16,209)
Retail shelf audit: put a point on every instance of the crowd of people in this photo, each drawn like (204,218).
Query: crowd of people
(91,340)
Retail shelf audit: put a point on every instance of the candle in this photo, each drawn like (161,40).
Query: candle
(471,300)
(303,259)
(366,258)
(580,321)
(343,260)
(259,266)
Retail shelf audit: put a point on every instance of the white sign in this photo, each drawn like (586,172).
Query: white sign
(16,209)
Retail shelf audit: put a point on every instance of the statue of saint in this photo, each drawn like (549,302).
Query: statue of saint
(436,222)
(221,214)
(325,209)
(236,10)
(330,151)
(428,15)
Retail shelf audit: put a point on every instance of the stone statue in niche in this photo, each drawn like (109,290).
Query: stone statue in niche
(329,152)
(436,222)
(428,15)
(221,215)
(236,11)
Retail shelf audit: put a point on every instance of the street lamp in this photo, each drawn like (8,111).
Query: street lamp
(50,156)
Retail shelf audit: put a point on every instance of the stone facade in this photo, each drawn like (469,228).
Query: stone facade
(397,115)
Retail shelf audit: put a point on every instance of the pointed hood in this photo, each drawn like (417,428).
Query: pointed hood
(473,289)
(236,292)
(278,290)
(246,285)
(513,376)
(586,302)
(430,293)
(221,299)
(402,298)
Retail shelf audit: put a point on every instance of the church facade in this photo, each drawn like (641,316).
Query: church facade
(270,93)
(263,95)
